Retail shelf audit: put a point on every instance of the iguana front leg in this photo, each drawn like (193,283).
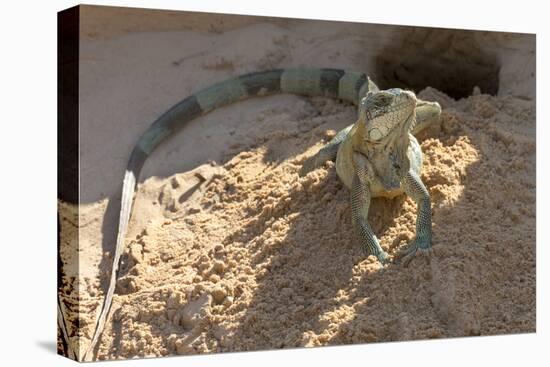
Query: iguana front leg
(360,203)
(427,113)
(413,186)
(326,153)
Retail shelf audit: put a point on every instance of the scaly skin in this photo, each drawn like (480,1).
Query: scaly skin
(367,175)
(379,156)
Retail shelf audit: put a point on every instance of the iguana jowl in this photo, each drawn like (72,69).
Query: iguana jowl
(376,156)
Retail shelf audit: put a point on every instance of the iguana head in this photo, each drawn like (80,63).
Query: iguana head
(385,119)
(384,110)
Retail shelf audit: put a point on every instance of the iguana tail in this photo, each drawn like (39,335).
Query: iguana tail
(334,83)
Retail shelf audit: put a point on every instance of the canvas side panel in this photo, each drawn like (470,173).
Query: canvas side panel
(68,24)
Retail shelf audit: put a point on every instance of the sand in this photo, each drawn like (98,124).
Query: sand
(238,253)
(255,257)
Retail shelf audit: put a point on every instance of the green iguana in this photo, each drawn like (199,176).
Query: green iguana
(376,156)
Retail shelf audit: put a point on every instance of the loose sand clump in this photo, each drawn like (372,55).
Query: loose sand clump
(248,256)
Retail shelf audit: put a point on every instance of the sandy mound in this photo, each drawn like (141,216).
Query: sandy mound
(248,256)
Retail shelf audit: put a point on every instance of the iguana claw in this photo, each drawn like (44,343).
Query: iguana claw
(384,258)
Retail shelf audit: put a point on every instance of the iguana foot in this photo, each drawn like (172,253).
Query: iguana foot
(418,247)
(371,246)
(383,257)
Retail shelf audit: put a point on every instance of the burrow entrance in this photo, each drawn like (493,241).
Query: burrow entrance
(453,61)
